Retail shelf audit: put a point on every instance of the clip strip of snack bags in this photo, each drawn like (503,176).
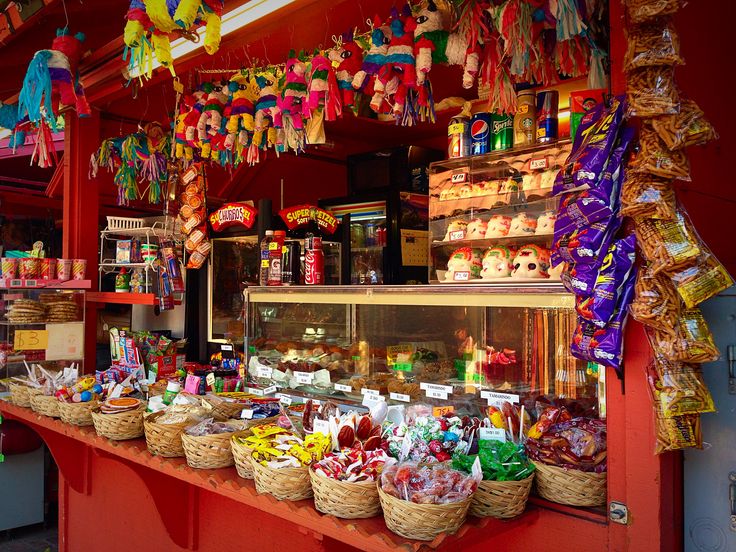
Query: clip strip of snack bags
(680,271)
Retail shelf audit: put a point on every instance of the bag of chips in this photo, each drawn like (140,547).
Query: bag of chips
(652,44)
(705,278)
(692,340)
(677,433)
(656,158)
(641,11)
(687,128)
(651,91)
(678,388)
(648,196)
(668,245)
(656,303)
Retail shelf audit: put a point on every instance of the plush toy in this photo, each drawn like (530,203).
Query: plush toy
(464,264)
(531,261)
(375,59)
(498,226)
(289,119)
(266,109)
(52,81)
(323,91)
(212,113)
(150,22)
(348,55)
(497,263)
(242,109)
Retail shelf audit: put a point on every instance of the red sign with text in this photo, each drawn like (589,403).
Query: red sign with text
(299,216)
(233,214)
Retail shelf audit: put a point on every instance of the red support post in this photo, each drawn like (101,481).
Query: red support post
(81,212)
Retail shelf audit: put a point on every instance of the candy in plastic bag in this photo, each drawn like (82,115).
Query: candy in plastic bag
(641,11)
(692,340)
(668,245)
(678,388)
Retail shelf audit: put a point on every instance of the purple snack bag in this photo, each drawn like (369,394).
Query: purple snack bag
(585,245)
(617,264)
(605,345)
(593,144)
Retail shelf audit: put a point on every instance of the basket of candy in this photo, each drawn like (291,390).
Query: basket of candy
(20,393)
(242,447)
(163,429)
(344,483)
(281,460)
(207,444)
(570,458)
(48,405)
(422,502)
(77,401)
(77,413)
(507,478)
(119,419)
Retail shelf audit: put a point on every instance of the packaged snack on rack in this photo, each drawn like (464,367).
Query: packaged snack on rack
(656,303)
(687,128)
(692,340)
(705,278)
(641,11)
(668,245)
(678,388)
(652,44)
(655,157)
(648,196)
(651,92)
(677,433)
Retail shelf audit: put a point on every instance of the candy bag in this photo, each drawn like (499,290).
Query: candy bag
(687,128)
(641,11)
(655,157)
(692,340)
(677,433)
(651,91)
(499,461)
(678,388)
(652,44)
(656,303)
(617,264)
(648,196)
(578,444)
(594,141)
(604,345)
(668,245)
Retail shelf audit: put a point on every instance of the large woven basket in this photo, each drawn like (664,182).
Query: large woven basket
(241,453)
(164,439)
(227,410)
(120,426)
(208,452)
(21,394)
(422,521)
(501,499)
(284,483)
(343,499)
(78,414)
(48,405)
(571,487)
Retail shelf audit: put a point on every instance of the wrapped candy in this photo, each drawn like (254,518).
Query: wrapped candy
(428,485)
(278,448)
(352,465)
(499,461)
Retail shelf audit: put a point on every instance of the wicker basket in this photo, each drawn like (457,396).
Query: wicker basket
(120,426)
(164,439)
(241,453)
(21,394)
(208,451)
(422,521)
(501,499)
(284,483)
(78,414)
(343,499)
(572,487)
(48,405)
(227,410)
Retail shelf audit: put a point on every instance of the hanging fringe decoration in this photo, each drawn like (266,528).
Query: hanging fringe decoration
(44,153)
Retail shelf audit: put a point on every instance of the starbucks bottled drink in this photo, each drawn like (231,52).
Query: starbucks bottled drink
(525,120)
(265,258)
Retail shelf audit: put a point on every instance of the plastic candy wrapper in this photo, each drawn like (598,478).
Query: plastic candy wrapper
(593,144)
(677,433)
(652,44)
(209,426)
(547,416)
(499,461)
(705,278)
(692,340)
(678,388)
(506,416)
(428,484)
(577,443)
(668,245)
(617,265)
(655,157)
(429,439)
(656,303)
(352,465)
(687,128)
(641,11)
(648,196)
(651,92)
(284,449)
(605,344)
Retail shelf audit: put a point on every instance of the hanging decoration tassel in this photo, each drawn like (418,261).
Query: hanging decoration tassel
(569,22)
(596,73)
(44,152)
(514,24)
(503,94)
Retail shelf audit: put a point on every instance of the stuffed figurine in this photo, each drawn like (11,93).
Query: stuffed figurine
(289,120)
(191,120)
(242,109)
(212,113)
(375,59)
(348,55)
(531,261)
(323,91)
(398,74)
(476,229)
(182,147)
(266,109)
(496,263)
(52,81)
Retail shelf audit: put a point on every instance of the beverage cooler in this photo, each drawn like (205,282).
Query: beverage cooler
(384,237)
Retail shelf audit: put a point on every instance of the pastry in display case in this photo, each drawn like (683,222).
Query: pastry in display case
(457,349)
(494,206)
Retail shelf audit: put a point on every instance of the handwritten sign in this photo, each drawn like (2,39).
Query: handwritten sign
(30,340)
(65,341)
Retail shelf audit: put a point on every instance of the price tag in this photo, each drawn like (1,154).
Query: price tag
(461,276)
(264,263)
(255,391)
(269,390)
(403,366)
(457,235)
(399,397)
(459,177)
(264,372)
(492,434)
(284,399)
(369,401)
(322,426)
(539,163)
(366,391)
(246,414)
(446,389)
(304,377)
(227,350)
(439,411)
(341,387)
(433,394)
(31,283)
(31,340)
(497,398)
(210,379)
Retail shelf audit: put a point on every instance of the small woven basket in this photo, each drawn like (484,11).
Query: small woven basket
(21,394)
(78,414)
(241,452)
(344,499)
(501,499)
(227,410)
(284,483)
(164,439)
(120,426)
(48,405)
(208,452)
(571,487)
(422,521)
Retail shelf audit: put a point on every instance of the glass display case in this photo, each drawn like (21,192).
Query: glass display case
(449,346)
(40,326)
(492,216)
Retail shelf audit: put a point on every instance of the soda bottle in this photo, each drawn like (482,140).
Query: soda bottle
(274,258)
(314,261)
(263,271)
